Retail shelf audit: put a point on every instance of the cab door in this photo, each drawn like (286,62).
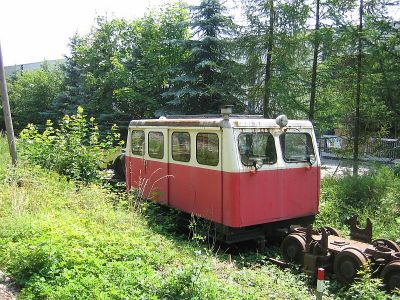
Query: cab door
(299,179)
(135,163)
(155,165)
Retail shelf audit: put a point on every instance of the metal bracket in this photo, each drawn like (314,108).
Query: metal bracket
(360,234)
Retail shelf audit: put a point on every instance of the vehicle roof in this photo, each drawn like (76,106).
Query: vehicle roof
(218,122)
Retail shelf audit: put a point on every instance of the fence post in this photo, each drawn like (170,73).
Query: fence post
(320,284)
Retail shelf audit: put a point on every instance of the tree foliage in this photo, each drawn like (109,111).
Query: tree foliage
(205,81)
(193,60)
(119,70)
(31,95)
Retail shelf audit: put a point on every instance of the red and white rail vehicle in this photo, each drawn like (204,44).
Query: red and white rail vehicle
(247,174)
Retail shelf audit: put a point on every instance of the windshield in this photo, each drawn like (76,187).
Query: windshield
(256,146)
(296,146)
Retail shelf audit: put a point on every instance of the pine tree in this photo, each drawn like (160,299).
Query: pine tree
(73,92)
(205,81)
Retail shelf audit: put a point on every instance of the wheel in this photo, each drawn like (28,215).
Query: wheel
(347,263)
(292,248)
(387,243)
(391,276)
(332,231)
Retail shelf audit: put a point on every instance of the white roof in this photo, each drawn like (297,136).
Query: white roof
(218,122)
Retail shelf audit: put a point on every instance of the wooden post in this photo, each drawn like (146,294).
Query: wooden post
(7,112)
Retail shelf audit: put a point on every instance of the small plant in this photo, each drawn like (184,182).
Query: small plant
(146,190)
(75,149)
(365,288)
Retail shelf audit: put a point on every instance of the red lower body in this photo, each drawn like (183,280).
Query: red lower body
(233,199)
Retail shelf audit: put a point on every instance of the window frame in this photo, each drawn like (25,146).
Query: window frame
(259,132)
(283,147)
(197,159)
(148,144)
(172,146)
(144,142)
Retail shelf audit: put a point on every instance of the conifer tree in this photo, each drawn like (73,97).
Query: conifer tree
(205,81)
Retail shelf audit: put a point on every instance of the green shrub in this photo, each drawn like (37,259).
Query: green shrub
(75,149)
(375,195)
(365,288)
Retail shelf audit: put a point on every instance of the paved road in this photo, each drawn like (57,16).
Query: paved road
(337,168)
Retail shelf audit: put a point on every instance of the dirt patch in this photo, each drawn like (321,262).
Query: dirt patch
(7,289)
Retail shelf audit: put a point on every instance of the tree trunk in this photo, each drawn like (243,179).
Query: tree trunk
(267,79)
(7,112)
(311,113)
(358,93)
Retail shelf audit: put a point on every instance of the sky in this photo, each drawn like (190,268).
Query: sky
(33,31)
(37,30)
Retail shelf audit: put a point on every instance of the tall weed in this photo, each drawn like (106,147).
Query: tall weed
(75,149)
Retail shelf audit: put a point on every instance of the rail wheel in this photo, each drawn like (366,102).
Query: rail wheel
(347,263)
(391,275)
(332,231)
(293,247)
(388,243)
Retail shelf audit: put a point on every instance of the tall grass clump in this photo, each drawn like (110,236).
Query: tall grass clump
(74,149)
(375,195)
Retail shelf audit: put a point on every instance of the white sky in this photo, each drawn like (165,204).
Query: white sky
(34,30)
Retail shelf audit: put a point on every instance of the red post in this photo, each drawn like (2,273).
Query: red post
(320,284)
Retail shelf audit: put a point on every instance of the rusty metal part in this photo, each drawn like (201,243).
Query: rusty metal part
(277,262)
(293,247)
(391,275)
(312,262)
(386,243)
(316,243)
(326,248)
(360,234)
(332,231)
(347,263)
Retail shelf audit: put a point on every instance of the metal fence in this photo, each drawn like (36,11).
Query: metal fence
(373,149)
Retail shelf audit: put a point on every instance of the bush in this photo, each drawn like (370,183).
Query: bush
(375,195)
(75,149)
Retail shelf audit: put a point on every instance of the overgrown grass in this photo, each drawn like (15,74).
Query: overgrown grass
(375,195)
(62,240)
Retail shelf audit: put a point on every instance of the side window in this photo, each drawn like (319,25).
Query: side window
(181,146)
(137,141)
(254,146)
(296,147)
(156,145)
(207,149)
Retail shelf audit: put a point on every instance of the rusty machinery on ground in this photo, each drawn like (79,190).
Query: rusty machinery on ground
(325,248)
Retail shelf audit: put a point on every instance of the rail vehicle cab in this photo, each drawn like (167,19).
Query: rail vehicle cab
(237,171)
